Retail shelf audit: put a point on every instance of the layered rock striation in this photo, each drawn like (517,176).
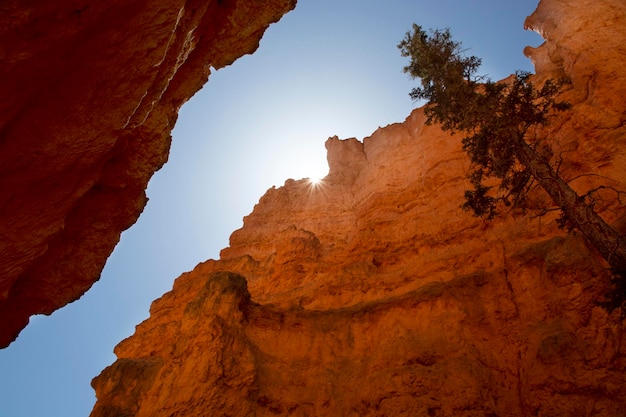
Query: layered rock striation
(91,91)
(374,294)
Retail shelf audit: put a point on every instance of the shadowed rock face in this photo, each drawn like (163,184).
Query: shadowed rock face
(374,294)
(90,92)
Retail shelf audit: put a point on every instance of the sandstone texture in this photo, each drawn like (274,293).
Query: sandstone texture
(374,294)
(90,92)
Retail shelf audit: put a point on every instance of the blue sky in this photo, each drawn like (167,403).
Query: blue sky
(330,67)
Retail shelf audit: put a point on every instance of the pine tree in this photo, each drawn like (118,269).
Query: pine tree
(494,119)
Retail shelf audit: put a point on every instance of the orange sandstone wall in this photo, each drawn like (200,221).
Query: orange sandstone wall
(373,294)
(90,92)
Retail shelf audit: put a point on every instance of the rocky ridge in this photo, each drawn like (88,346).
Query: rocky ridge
(91,91)
(373,294)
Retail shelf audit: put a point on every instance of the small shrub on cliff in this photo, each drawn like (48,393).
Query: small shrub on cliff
(494,119)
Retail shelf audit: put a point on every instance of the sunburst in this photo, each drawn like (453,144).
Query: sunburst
(316,184)
(315,181)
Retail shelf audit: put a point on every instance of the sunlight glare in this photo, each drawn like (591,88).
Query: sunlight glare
(316,175)
(315,181)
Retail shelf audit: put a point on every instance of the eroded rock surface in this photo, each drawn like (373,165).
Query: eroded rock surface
(90,92)
(375,294)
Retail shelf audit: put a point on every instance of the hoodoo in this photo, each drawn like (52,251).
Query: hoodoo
(373,294)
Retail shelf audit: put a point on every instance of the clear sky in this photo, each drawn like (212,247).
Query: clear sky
(330,67)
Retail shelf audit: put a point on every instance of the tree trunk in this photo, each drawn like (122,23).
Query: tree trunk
(607,240)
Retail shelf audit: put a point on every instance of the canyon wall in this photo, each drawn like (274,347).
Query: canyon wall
(90,93)
(373,293)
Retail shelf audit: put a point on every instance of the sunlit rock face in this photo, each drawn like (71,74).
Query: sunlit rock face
(585,45)
(374,294)
(90,92)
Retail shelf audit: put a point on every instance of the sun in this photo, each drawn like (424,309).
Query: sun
(315,181)
(316,176)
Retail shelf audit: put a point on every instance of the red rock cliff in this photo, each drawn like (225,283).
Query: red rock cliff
(374,294)
(90,92)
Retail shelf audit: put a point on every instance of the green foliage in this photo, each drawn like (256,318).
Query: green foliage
(493,117)
(447,78)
